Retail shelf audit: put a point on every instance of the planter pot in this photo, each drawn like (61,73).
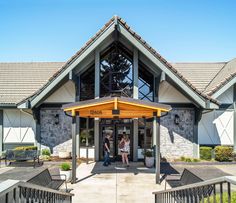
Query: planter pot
(149,162)
(64,155)
(68,175)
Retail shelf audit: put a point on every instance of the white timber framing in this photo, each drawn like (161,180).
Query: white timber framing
(234,92)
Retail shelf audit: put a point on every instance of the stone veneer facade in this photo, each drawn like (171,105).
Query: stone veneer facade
(55,130)
(177,140)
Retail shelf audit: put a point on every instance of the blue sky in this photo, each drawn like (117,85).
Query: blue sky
(180,30)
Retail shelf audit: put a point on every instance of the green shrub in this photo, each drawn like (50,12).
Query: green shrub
(46,152)
(205,153)
(148,153)
(65,167)
(223,153)
(195,160)
(26,148)
(182,158)
(188,159)
(225,198)
(45,158)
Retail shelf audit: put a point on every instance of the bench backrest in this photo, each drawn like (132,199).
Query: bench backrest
(188,177)
(43,178)
(21,154)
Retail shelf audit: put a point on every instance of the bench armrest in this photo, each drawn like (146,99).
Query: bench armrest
(60,175)
(173,177)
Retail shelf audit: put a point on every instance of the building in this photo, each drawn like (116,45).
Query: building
(118,62)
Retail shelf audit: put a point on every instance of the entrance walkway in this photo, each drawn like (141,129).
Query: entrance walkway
(114,184)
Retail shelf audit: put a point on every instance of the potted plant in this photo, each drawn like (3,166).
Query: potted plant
(149,158)
(65,171)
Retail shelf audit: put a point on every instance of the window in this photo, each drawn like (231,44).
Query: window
(145,84)
(116,72)
(149,129)
(83,132)
(87,84)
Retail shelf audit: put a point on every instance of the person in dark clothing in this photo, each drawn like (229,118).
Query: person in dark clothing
(106,148)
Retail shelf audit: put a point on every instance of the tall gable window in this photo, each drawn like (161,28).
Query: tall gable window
(116,72)
(87,84)
(145,84)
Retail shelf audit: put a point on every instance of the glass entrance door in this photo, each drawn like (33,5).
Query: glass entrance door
(120,130)
(108,129)
(115,130)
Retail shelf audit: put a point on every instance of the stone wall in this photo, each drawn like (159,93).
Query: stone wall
(55,130)
(177,140)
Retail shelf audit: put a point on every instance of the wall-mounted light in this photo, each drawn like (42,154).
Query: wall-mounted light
(177,119)
(56,119)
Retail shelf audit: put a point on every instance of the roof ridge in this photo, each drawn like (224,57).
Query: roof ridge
(116,19)
(14,62)
(197,62)
(215,76)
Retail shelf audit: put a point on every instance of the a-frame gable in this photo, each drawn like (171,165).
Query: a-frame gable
(116,23)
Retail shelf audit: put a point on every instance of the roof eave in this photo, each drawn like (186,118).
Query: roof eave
(35,99)
(220,90)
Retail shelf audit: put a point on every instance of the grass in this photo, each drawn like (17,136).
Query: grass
(225,198)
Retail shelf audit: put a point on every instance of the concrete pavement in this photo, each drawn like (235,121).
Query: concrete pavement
(114,184)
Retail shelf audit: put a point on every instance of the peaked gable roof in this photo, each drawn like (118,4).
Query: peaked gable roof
(110,26)
(223,77)
(199,74)
(19,80)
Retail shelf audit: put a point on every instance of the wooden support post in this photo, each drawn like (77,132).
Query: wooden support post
(158,155)
(74,159)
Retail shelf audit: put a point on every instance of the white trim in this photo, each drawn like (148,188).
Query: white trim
(224,88)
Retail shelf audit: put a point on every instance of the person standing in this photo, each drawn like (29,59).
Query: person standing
(106,148)
(125,142)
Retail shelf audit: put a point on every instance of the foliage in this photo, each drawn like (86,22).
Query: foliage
(223,153)
(195,160)
(148,153)
(205,153)
(182,158)
(45,158)
(26,148)
(46,152)
(188,159)
(65,167)
(225,198)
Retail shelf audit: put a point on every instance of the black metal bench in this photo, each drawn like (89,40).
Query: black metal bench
(186,178)
(45,179)
(21,155)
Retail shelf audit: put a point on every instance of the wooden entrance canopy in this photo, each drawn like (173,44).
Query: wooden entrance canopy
(116,107)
